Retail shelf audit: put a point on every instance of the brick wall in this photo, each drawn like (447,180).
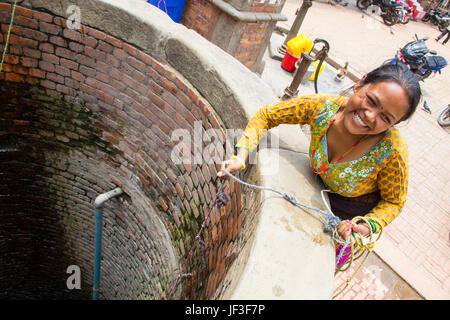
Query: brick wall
(83,112)
(246,41)
(201,16)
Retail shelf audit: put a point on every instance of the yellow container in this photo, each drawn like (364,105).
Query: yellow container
(299,44)
(315,64)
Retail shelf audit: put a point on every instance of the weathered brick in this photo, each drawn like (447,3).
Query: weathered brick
(49,28)
(65,90)
(63,71)
(115,42)
(48,84)
(34,34)
(76,47)
(119,53)
(38,73)
(130,49)
(90,72)
(72,83)
(103,46)
(21,11)
(113,61)
(12,59)
(5,7)
(77,76)
(71,34)
(135,63)
(55,77)
(68,64)
(20,69)
(26,22)
(47,66)
(50,58)
(60,42)
(65,53)
(32,53)
(97,34)
(47,47)
(42,16)
(88,41)
(13,77)
(85,60)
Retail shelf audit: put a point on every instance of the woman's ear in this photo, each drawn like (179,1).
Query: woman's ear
(359,84)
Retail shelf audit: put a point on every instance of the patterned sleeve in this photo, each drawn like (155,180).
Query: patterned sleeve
(393,186)
(301,110)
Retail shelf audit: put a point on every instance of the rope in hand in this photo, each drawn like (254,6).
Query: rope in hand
(7,37)
(358,244)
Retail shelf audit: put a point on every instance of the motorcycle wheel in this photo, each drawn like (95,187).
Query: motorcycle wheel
(443,26)
(389,19)
(422,76)
(426,18)
(363,4)
(444,117)
(406,20)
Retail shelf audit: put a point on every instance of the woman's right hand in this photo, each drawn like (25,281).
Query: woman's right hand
(231,166)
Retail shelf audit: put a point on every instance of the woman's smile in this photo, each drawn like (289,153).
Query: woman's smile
(358,121)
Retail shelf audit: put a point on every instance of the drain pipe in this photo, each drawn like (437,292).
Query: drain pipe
(98,205)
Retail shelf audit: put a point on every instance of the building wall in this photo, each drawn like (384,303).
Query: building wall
(246,41)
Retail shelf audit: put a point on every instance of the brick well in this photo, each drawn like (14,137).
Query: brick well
(81,113)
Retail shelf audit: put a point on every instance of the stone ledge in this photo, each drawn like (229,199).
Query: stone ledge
(247,16)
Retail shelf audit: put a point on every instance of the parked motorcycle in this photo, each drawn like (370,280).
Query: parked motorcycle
(391,11)
(414,55)
(405,13)
(444,117)
(436,17)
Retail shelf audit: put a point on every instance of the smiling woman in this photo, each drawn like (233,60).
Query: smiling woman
(355,148)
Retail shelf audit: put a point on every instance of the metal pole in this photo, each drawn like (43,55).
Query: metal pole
(296,25)
(292,89)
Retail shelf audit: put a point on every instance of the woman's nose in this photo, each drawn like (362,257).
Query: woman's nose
(370,114)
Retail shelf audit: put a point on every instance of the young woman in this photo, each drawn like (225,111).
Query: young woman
(355,148)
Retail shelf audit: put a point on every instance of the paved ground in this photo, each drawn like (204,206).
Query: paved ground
(412,260)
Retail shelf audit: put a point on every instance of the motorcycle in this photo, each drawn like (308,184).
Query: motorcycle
(436,17)
(391,11)
(406,13)
(414,56)
(444,117)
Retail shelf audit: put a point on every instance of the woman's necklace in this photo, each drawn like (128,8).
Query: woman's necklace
(324,168)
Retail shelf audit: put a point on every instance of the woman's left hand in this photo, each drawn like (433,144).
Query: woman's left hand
(346,227)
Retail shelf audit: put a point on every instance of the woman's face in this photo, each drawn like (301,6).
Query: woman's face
(375,107)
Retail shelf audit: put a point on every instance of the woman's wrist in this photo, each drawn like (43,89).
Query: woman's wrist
(242,162)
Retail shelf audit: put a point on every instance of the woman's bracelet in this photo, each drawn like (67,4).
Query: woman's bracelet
(240,160)
(373,225)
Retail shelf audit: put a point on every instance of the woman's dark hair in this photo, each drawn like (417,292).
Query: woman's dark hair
(400,74)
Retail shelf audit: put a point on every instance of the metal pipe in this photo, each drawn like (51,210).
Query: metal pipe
(98,205)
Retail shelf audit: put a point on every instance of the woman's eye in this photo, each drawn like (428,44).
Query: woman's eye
(386,119)
(371,102)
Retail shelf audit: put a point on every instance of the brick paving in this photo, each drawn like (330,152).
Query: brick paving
(415,247)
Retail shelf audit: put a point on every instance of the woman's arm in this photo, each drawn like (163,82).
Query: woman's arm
(393,185)
(301,110)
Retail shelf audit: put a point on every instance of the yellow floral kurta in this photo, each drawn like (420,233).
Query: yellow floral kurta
(384,167)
